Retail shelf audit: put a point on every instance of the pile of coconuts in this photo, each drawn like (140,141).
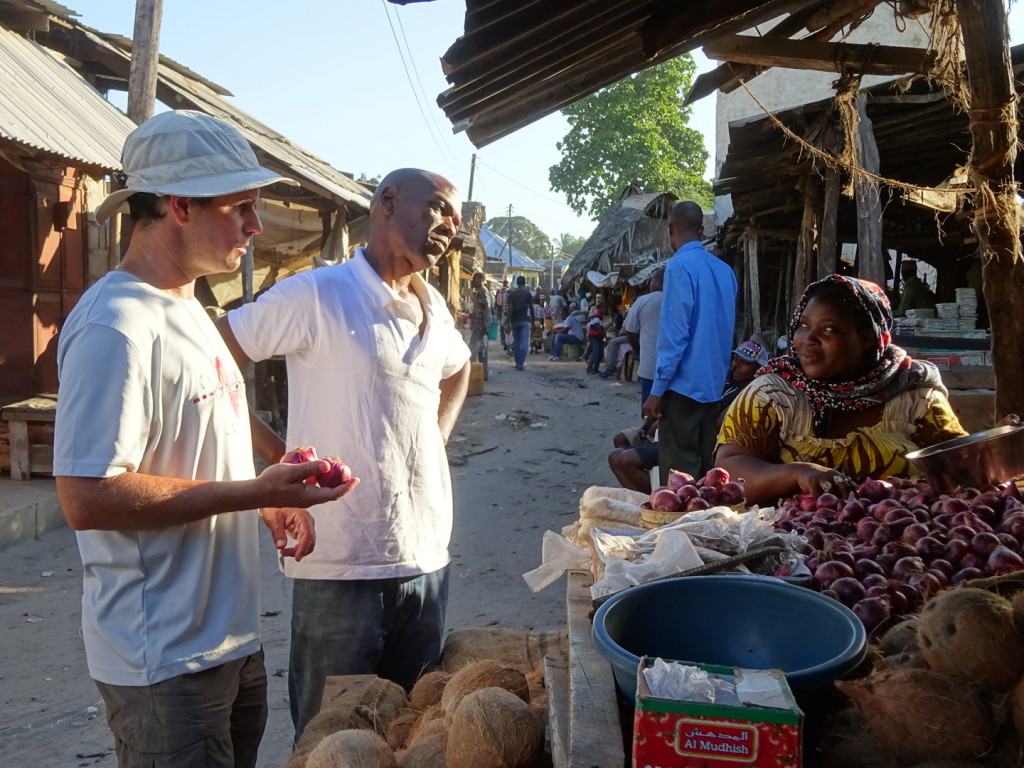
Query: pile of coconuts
(884,547)
(480,716)
(945,689)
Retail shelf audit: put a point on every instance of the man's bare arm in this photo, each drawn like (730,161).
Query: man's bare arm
(453,395)
(137,501)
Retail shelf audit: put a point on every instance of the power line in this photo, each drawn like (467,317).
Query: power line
(528,189)
(422,90)
(446,155)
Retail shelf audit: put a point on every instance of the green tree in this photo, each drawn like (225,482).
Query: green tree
(568,245)
(633,131)
(524,234)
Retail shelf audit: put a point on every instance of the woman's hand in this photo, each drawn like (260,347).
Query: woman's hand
(1009,420)
(816,479)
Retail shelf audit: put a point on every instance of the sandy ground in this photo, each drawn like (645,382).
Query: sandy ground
(521,456)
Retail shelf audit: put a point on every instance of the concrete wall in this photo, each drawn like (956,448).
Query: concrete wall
(779,89)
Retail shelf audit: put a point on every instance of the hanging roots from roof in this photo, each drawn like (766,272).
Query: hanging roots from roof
(847,89)
(947,43)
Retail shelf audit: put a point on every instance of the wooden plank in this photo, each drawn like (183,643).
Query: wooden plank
(969,377)
(556,680)
(38,408)
(828,257)
(870,260)
(20,458)
(867,59)
(595,733)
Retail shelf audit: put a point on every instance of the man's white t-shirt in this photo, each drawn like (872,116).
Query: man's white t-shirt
(364,385)
(644,317)
(148,385)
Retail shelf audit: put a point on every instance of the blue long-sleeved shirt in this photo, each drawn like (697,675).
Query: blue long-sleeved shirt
(695,331)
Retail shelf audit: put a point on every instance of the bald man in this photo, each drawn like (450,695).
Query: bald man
(377,374)
(695,330)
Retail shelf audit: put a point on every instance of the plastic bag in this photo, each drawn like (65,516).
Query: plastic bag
(558,555)
(671,552)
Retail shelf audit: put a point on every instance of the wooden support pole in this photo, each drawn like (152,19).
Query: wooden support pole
(145,60)
(827,247)
(754,280)
(869,203)
(996,217)
(804,271)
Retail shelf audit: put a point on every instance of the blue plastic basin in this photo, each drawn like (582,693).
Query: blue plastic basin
(731,620)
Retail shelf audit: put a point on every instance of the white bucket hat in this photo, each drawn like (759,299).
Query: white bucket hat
(190,154)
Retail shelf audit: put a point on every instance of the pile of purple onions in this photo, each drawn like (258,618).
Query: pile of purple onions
(894,543)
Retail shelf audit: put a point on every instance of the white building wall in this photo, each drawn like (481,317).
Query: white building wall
(780,89)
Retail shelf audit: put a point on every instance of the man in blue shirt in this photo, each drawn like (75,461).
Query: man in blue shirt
(695,331)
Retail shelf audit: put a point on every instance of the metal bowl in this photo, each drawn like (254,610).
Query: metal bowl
(993,456)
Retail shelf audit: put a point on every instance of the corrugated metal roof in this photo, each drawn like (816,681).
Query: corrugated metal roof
(274,150)
(498,249)
(46,106)
(519,60)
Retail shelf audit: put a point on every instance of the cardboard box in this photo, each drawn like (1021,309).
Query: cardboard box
(668,733)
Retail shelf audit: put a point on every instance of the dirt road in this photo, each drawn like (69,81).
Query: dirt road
(521,456)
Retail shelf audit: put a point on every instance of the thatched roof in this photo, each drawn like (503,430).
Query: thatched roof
(634,231)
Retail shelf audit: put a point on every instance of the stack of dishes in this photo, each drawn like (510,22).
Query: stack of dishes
(967,301)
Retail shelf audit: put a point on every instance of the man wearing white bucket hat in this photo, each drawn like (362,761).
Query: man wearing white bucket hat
(153,460)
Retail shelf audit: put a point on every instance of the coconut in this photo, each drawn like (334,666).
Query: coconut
(1017,708)
(352,749)
(1017,605)
(921,714)
(971,632)
(365,704)
(429,749)
(478,675)
(398,730)
(493,728)
(422,726)
(899,639)
(428,689)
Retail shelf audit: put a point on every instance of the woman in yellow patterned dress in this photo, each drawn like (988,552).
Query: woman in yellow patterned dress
(846,405)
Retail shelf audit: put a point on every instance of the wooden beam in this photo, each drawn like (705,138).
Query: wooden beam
(729,72)
(997,217)
(869,203)
(828,245)
(819,56)
(838,11)
(692,24)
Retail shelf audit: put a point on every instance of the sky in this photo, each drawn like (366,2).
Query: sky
(354,82)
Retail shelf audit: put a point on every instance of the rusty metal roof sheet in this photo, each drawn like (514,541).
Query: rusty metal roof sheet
(519,60)
(45,106)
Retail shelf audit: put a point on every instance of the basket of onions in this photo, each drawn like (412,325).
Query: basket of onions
(683,494)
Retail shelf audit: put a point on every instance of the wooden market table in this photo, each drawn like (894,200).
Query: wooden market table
(586,731)
(26,458)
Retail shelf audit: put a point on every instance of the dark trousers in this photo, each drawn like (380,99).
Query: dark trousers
(393,628)
(594,354)
(209,719)
(686,435)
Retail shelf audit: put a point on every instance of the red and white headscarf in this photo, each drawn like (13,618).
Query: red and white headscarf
(893,372)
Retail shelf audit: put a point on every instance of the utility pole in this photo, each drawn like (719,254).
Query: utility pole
(145,60)
(510,234)
(551,289)
(472,173)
